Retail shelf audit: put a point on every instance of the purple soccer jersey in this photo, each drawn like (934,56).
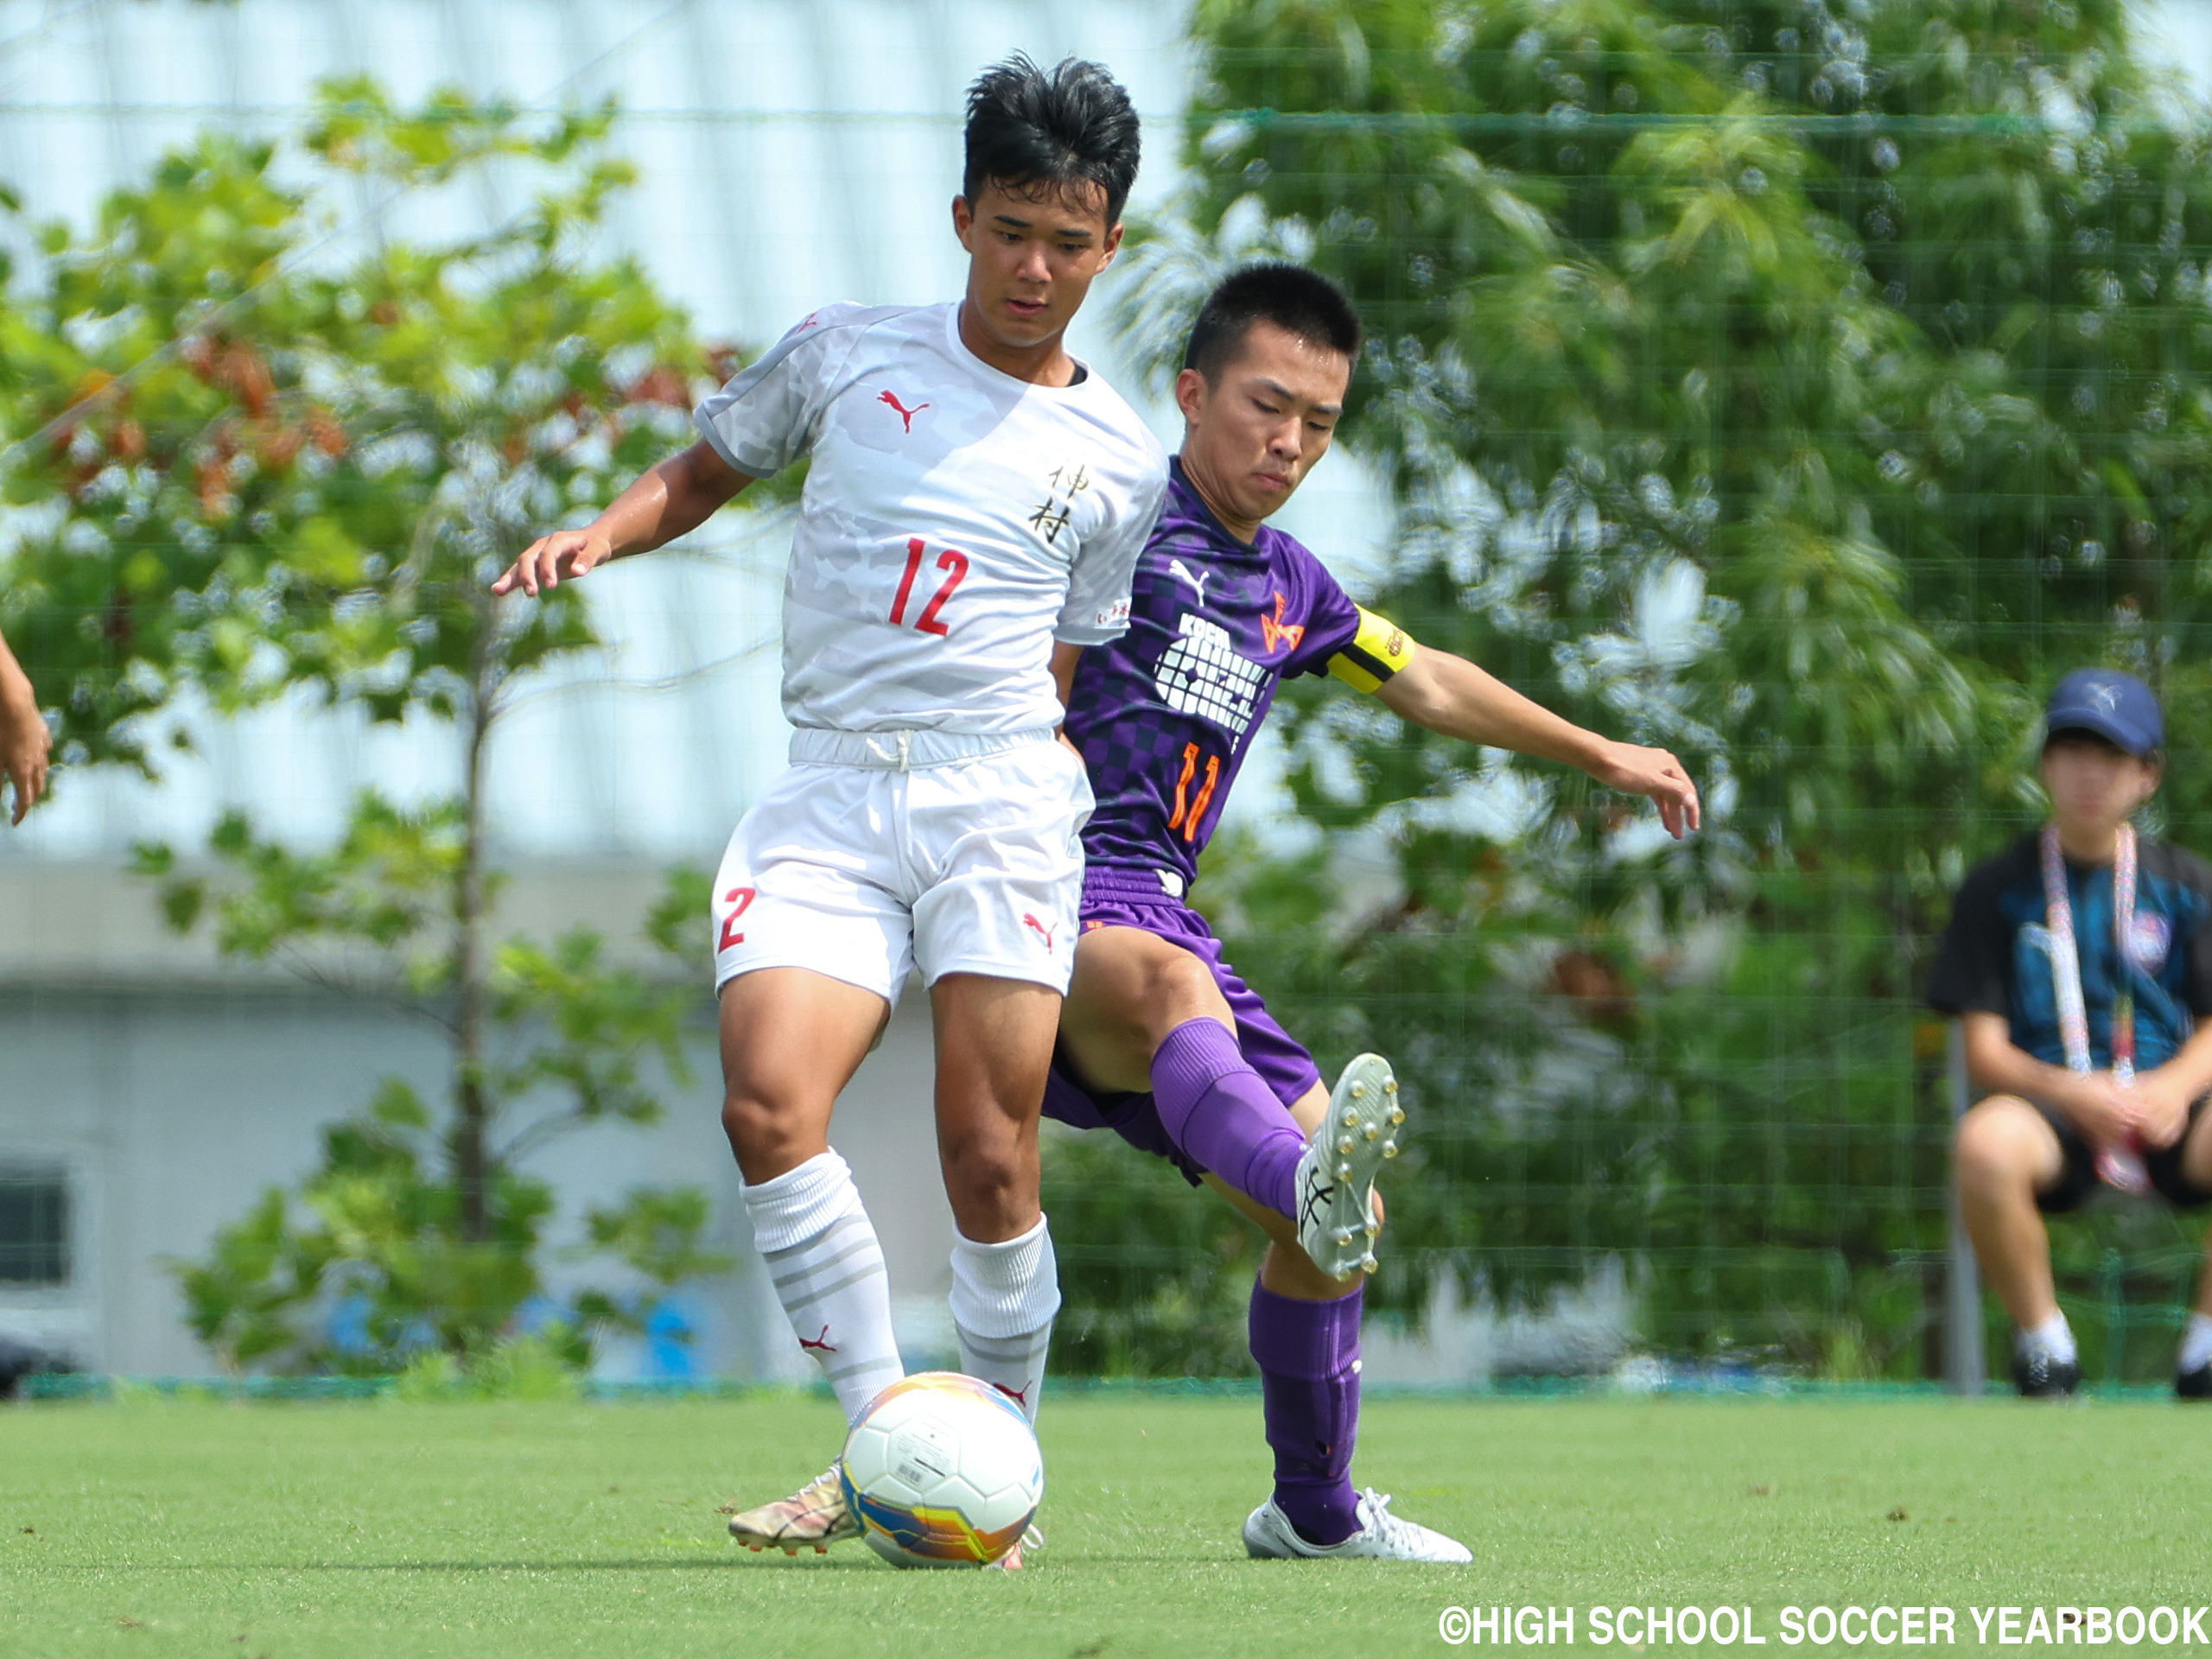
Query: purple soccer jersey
(1164,715)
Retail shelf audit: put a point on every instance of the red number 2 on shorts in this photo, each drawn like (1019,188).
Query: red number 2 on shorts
(743,898)
(950,559)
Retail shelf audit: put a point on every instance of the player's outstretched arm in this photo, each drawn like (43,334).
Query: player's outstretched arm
(1449,695)
(24,740)
(670,499)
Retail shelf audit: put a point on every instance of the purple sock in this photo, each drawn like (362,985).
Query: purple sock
(1219,1109)
(1309,1382)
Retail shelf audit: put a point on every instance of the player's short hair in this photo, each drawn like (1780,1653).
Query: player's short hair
(1301,302)
(1032,132)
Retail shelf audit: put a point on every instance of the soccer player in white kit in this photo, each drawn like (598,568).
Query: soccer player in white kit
(975,506)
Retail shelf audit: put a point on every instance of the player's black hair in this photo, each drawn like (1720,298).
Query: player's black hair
(1031,132)
(1302,301)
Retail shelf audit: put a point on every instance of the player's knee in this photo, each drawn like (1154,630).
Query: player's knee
(759,1134)
(1992,1146)
(985,1180)
(1179,987)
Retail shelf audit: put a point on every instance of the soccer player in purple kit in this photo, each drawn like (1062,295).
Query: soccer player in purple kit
(1158,1039)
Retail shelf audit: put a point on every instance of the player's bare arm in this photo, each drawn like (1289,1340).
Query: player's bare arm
(2096,1102)
(669,500)
(1449,695)
(24,741)
(1064,658)
(2162,1095)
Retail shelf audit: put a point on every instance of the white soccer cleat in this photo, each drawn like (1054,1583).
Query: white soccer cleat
(1335,1182)
(1382,1536)
(812,1518)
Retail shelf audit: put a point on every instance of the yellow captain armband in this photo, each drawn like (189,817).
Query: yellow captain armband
(1380,650)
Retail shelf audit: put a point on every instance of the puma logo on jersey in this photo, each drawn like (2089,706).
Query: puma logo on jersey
(906,414)
(1043,932)
(1274,629)
(1196,578)
(821,1342)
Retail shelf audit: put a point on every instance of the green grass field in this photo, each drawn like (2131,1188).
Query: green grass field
(312,1532)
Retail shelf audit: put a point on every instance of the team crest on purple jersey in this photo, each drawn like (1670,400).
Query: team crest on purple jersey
(1164,715)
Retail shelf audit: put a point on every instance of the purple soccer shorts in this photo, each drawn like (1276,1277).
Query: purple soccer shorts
(1129,898)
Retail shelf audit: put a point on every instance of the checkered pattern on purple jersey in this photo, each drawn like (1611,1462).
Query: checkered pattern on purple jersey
(1164,715)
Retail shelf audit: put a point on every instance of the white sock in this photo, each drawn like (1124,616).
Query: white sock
(2054,1338)
(1004,1297)
(2196,1343)
(827,1269)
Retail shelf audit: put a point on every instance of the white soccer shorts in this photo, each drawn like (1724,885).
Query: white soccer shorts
(877,853)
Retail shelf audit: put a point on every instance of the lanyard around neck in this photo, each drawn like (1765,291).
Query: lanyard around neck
(2066,956)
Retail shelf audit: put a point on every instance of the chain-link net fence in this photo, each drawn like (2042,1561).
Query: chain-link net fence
(1804,388)
(1801,387)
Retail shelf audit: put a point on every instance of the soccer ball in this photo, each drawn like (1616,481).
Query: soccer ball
(942,1471)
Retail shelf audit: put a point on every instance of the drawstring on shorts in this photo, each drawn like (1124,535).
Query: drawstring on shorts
(904,758)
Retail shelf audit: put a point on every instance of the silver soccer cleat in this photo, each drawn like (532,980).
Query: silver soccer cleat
(1336,1173)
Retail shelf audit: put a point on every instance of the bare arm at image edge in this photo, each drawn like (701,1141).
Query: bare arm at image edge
(24,741)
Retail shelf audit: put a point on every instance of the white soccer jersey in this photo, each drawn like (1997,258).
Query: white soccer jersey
(955,520)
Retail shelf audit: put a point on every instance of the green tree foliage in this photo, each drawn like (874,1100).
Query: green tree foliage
(263,457)
(379,1259)
(251,462)
(1801,387)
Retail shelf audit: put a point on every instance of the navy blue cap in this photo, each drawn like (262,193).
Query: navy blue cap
(2110,704)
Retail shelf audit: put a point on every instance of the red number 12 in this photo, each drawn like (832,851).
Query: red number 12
(743,898)
(952,560)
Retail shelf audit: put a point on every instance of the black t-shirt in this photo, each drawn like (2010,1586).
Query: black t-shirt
(1996,954)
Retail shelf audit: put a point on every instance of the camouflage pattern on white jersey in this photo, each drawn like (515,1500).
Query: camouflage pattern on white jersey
(955,523)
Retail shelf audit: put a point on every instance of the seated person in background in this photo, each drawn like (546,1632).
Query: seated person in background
(2079,961)
(23,737)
